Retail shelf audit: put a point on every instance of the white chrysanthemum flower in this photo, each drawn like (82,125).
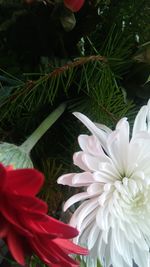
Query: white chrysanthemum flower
(114,218)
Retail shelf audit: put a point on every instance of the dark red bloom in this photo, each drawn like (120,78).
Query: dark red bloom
(25,225)
(74,5)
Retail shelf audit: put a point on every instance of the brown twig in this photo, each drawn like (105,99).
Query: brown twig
(78,62)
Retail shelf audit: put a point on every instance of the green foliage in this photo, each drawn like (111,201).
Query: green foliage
(83,264)
(98,264)
(35,262)
(131,16)
(85,78)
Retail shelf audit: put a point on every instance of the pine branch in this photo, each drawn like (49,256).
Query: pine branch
(44,88)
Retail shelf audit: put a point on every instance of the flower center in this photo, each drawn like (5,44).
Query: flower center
(138,196)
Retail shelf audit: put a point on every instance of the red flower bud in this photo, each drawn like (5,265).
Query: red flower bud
(74,5)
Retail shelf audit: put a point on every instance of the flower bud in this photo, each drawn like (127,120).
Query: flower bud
(11,154)
(74,5)
(19,156)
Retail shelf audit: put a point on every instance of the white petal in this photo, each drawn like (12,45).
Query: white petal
(118,145)
(90,144)
(95,189)
(122,245)
(66,179)
(78,160)
(92,236)
(92,128)
(82,212)
(116,258)
(76,179)
(102,253)
(103,219)
(148,116)
(83,238)
(106,175)
(76,198)
(83,179)
(94,163)
(76,214)
(106,252)
(114,152)
(103,127)
(140,121)
(88,220)
(141,258)
(94,251)
(133,187)
(104,197)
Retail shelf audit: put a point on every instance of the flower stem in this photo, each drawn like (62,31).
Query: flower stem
(43,127)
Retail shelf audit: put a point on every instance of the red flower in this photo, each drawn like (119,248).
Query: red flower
(25,225)
(74,5)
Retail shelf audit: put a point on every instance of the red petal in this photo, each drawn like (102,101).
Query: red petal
(74,5)
(4,227)
(44,224)
(60,254)
(29,213)
(15,245)
(70,247)
(12,216)
(25,213)
(3,175)
(42,252)
(24,181)
(52,254)
(26,203)
(65,230)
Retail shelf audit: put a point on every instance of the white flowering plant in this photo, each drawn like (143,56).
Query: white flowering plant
(113,217)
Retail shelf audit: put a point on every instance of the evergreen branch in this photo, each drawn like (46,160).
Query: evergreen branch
(46,87)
